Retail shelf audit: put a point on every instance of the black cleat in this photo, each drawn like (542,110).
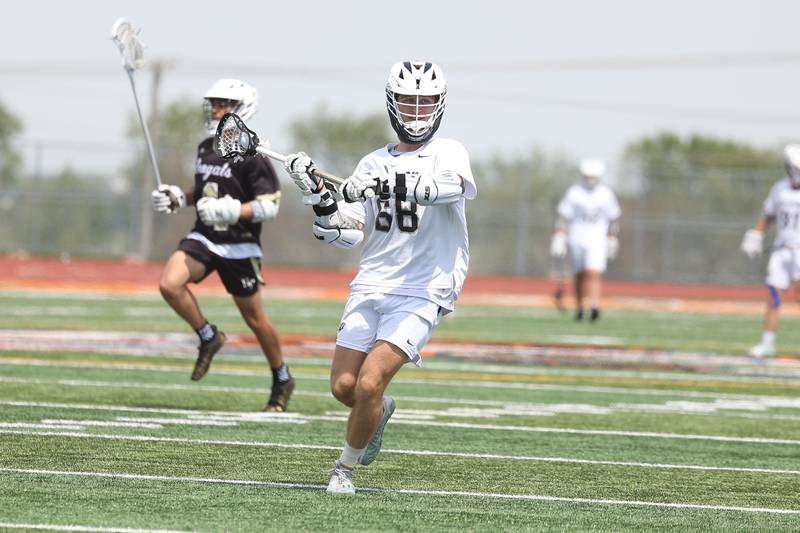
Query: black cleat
(595,314)
(578,315)
(279,399)
(206,352)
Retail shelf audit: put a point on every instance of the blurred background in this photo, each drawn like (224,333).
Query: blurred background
(689,103)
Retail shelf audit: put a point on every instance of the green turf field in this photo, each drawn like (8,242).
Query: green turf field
(122,442)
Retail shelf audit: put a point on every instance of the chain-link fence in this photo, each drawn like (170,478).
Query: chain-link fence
(685,228)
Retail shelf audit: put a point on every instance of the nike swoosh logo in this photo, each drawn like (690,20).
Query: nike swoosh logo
(409,342)
(424,155)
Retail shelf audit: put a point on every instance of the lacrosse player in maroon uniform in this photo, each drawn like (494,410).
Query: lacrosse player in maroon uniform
(232,199)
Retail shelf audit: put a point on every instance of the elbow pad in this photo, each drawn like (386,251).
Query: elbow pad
(265,207)
(329,226)
(443,188)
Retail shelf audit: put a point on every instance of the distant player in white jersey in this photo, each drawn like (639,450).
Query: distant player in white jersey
(407,202)
(587,224)
(782,206)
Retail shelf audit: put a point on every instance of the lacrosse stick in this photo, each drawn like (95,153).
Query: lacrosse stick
(235,139)
(132,50)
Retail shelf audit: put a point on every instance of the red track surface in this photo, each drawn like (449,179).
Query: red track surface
(122,275)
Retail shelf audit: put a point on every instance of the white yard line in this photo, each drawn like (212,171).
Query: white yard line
(748,401)
(485,384)
(418,453)
(529,497)
(90,529)
(530,429)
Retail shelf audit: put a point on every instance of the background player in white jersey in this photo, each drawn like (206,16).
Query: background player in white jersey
(587,223)
(782,206)
(407,201)
(232,200)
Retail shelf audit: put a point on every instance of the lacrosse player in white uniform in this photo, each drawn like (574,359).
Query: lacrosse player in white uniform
(587,224)
(782,206)
(232,200)
(406,201)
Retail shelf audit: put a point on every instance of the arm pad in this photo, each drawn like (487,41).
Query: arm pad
(331,228)
(445,187)
(265,207)
(341,238)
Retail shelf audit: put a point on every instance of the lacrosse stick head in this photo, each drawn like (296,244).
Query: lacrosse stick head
(130,46)
(234,138)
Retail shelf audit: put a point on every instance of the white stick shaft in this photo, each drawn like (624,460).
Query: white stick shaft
(329,178)
(144,128)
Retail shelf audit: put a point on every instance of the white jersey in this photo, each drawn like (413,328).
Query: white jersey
(589,212)
(783,204)
(410,249)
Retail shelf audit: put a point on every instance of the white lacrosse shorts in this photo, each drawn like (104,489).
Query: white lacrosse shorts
(405,321)
(783,268)
(589,256)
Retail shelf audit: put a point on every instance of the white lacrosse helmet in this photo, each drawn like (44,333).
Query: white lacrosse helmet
(592,171)
(415,78)
(791,158)
(244,96)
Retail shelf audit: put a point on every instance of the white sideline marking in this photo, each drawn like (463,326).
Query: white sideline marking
(54,527)
(508,408)
(422,453)
(38,426)
(634,391)
(600,432)
(100,423)
(532,497)
(407,381)
(301,419)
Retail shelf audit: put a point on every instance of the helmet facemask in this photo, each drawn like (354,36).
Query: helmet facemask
(415,100)
(242,97)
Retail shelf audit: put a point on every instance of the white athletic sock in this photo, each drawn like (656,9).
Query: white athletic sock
(768,338)
(281,374)
(205,332)
(350,455)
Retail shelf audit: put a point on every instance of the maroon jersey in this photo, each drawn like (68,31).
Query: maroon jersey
(245,180)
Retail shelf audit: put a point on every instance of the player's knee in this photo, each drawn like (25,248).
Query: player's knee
(343,389)
(368,388)
(168,290)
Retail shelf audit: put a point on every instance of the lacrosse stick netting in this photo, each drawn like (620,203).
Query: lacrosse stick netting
(131,48)
(235,139)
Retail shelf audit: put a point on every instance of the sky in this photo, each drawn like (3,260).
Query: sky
(580,78)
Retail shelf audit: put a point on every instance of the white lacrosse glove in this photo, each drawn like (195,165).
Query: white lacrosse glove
(752,243)
(300,168)
(219,211)
(167,198)
(364,185)
(558,245)
(612,247)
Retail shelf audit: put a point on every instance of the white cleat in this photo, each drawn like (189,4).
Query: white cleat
(374,446)
(341,480)
(762,350)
